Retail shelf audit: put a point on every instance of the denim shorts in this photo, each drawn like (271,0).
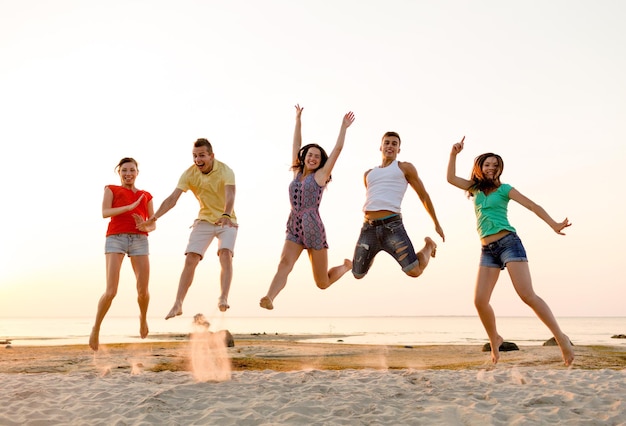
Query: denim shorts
(130,244)
(507,249)
(387,235)
(203,233)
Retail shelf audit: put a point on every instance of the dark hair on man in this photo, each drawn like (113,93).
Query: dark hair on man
(203,142)
(394,134)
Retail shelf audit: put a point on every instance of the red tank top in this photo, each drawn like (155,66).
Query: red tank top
(125,223)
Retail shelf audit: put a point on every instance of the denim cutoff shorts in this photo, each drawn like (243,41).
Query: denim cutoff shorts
(390,237)
(130,244)
(507,249)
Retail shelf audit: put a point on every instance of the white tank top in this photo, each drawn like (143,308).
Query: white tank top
(385,188)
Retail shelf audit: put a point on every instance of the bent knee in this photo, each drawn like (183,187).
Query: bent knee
(414,273)
(322,285)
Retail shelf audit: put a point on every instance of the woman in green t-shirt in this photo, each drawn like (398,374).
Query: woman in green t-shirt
(501,246)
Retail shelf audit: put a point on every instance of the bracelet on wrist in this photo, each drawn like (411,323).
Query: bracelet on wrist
(226,214)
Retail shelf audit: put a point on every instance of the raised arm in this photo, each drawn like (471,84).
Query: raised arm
(410,173)
(452,177)
(297,135)
(107,203)
(557,227)
(322,175)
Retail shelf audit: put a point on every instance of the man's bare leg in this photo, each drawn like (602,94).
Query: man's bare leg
(186,278)
(423,256)
(226,277)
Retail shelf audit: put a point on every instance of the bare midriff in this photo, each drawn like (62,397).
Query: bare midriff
(494,237)
(378,214)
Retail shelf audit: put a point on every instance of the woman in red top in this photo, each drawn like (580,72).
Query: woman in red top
(126,206)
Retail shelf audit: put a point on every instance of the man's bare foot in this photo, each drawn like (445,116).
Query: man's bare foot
(567,350)
(222,304)
(266,303)
(143,328)
(94,339)
(495,350)
(176,310)
(433,246)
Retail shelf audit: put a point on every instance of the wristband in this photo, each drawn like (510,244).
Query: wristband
(226,214)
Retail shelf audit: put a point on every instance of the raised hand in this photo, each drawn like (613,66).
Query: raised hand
(298,110)
(348,119)
(458,147)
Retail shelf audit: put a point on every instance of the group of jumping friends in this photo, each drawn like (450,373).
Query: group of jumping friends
(132,217)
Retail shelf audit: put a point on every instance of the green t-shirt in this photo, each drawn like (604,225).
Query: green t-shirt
(491,211)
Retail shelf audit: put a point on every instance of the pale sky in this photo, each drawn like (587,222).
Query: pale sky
(85,83)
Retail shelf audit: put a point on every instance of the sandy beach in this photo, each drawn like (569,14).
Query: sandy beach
(277,380)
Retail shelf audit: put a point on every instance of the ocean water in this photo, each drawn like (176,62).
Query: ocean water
(417,330)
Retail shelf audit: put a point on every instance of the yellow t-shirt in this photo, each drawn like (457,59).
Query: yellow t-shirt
(209,189)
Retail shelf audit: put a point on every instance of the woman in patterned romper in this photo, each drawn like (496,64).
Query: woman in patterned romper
(312,169)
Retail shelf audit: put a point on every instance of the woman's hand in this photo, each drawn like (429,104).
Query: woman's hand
(458,147)
(348,119)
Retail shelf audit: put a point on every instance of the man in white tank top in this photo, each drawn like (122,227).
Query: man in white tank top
(383,228)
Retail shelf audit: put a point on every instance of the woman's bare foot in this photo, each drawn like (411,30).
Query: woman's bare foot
(266,303)
(567,350)
(176,310)
(495,350)
(143,328)
(222,304)
(94,339)
(347,263)
(433,246)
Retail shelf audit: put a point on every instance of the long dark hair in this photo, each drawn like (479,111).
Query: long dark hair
(299,164)
(480,182)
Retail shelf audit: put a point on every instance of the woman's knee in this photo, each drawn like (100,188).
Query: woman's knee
(322,284)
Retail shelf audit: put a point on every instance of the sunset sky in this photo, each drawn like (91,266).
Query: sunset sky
(85,83)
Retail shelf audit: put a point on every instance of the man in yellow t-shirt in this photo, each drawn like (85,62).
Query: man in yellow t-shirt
(213,184)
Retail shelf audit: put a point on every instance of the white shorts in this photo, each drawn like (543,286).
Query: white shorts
(203,233)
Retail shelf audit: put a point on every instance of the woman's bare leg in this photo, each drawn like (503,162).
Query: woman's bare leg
(141,267)
(520,276)
(485,283)
(323,276)
(113,267)
(289,256)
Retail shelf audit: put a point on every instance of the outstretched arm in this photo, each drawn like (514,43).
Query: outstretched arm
(452,177)
(410,173)
(167,204)
(322,175)
(558,227)
(297,135)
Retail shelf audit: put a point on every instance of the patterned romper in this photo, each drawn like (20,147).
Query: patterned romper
(304,225)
